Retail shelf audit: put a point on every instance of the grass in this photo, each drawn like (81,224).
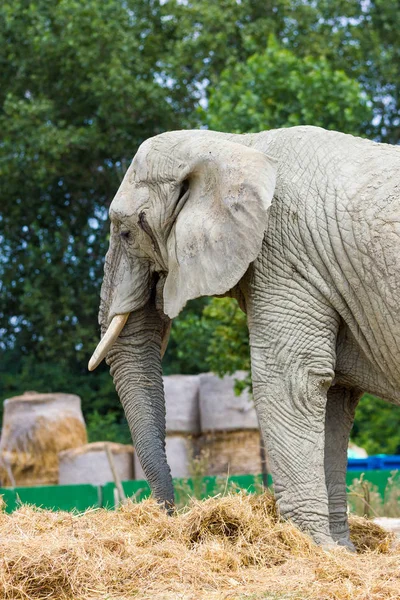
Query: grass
(365,500)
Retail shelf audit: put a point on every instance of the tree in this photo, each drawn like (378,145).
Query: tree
(358,38)
(80,89)
(376,426)
(82,84)
(278,89)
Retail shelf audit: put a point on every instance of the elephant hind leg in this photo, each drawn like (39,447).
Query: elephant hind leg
(339,418)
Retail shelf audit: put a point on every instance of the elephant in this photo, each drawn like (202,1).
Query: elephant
(302,227)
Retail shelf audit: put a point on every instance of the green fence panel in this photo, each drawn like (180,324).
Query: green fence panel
(53,497)
(138,490)
(206,487)
(9,498)
(82,497)
(378,478)
(198,487)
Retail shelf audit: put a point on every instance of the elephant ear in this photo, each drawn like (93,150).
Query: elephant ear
(219,230)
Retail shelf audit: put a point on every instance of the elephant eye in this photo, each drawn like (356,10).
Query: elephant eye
(125,235)
(144,226)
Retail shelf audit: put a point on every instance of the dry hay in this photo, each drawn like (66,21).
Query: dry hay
(33,457)
(232,547)
(233,452)
(36,427)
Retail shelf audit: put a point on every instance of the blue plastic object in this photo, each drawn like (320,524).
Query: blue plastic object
(373,463)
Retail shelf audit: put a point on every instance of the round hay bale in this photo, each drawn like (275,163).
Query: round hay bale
(180,450)
(233,452)
(221,409)
(89,464)
(36,427)
(182,403)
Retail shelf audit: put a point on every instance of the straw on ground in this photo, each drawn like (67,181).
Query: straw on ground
(232,547)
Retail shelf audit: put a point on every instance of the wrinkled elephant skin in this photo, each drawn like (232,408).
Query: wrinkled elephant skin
(302,226)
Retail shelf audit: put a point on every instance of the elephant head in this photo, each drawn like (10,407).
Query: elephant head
(187,220)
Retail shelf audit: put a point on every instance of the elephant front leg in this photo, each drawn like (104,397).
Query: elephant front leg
(339,420)
(293,358)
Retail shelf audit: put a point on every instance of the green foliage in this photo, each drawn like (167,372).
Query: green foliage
(357,38)
(228,349)
(21,373)
(82,84)
(210,334)
(279,89)
(187,347)
(79,91)
(78,94)
(108,427)
(377,426)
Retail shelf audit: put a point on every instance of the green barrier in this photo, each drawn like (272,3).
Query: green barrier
(53,497)
(82,497)
(138,490)
(9,498)
(378,478)
(206,487)
(199,487)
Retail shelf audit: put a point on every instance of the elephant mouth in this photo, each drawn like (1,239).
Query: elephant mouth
(118,322)
(107,341)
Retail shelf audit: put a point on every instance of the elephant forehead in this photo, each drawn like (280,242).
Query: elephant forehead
(129,201)
(157,160)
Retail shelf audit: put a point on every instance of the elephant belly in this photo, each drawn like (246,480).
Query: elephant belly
(354,370)
(367,295)
(358,265)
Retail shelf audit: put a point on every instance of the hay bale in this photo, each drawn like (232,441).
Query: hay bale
(229,424)
(180,450)
(221,409)
(232,452)
(369,535)
(36,427)
(89,464)
(182,404)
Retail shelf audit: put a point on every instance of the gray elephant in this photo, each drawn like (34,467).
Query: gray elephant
(302,227)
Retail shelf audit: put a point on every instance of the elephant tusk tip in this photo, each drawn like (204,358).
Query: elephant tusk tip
(97,357)
(93,363)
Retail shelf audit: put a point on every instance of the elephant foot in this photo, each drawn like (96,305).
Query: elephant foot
(346,543)
(329,542)
(338,544)
(341,534)
(326,542)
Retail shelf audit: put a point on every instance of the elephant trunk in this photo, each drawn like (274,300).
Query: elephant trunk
(135,365)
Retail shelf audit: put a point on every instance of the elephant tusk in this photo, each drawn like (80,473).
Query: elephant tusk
(108,339)
(165,337)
